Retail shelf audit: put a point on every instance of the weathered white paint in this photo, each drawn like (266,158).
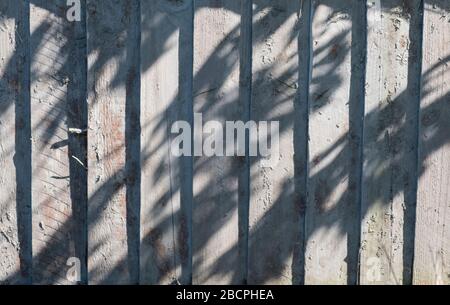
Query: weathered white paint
(165,246)
(274,211)
(9,86)
(331,206)
(215,184)
(432,236)
(51,202)
(111,78)
(389,143)
(195,223)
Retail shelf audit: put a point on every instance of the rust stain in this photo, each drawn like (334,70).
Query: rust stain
(335,50)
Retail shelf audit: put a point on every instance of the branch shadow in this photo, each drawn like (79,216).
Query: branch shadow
(288,239)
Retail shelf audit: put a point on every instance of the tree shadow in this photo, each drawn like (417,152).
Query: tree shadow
(170,250)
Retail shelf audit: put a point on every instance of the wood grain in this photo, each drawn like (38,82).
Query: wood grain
(274,209)
(215,185)
(15,163)
(390,138)
(166,45)
(332,226)
(432,246)
(112,46)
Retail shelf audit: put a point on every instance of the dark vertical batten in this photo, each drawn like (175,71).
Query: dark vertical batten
(77,118)
(301,109)
(356,130)
(245,81)
(133,140)
(416,11)
(22,158)
(185,95)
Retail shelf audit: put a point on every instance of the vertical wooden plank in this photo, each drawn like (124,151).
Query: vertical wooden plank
(301,125)
(111,83)
(166,50)
(77,142)
(432,244)
(15,172)
(9,240)
(274,208)
(390,140)
(132,14)
(245,97)
(332,205)
(216,95)
(51,67)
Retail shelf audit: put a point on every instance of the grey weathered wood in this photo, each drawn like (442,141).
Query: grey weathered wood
(274,208)
(77,143)
(245,96)
(15,172)
(53,241)
(432,239)
(332,205)
(9,240)
(215,185)
(301,122)
(166,49)
(113,71)
(390,138)
(225,220)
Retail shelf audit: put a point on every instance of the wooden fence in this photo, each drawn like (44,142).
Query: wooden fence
(361,190)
